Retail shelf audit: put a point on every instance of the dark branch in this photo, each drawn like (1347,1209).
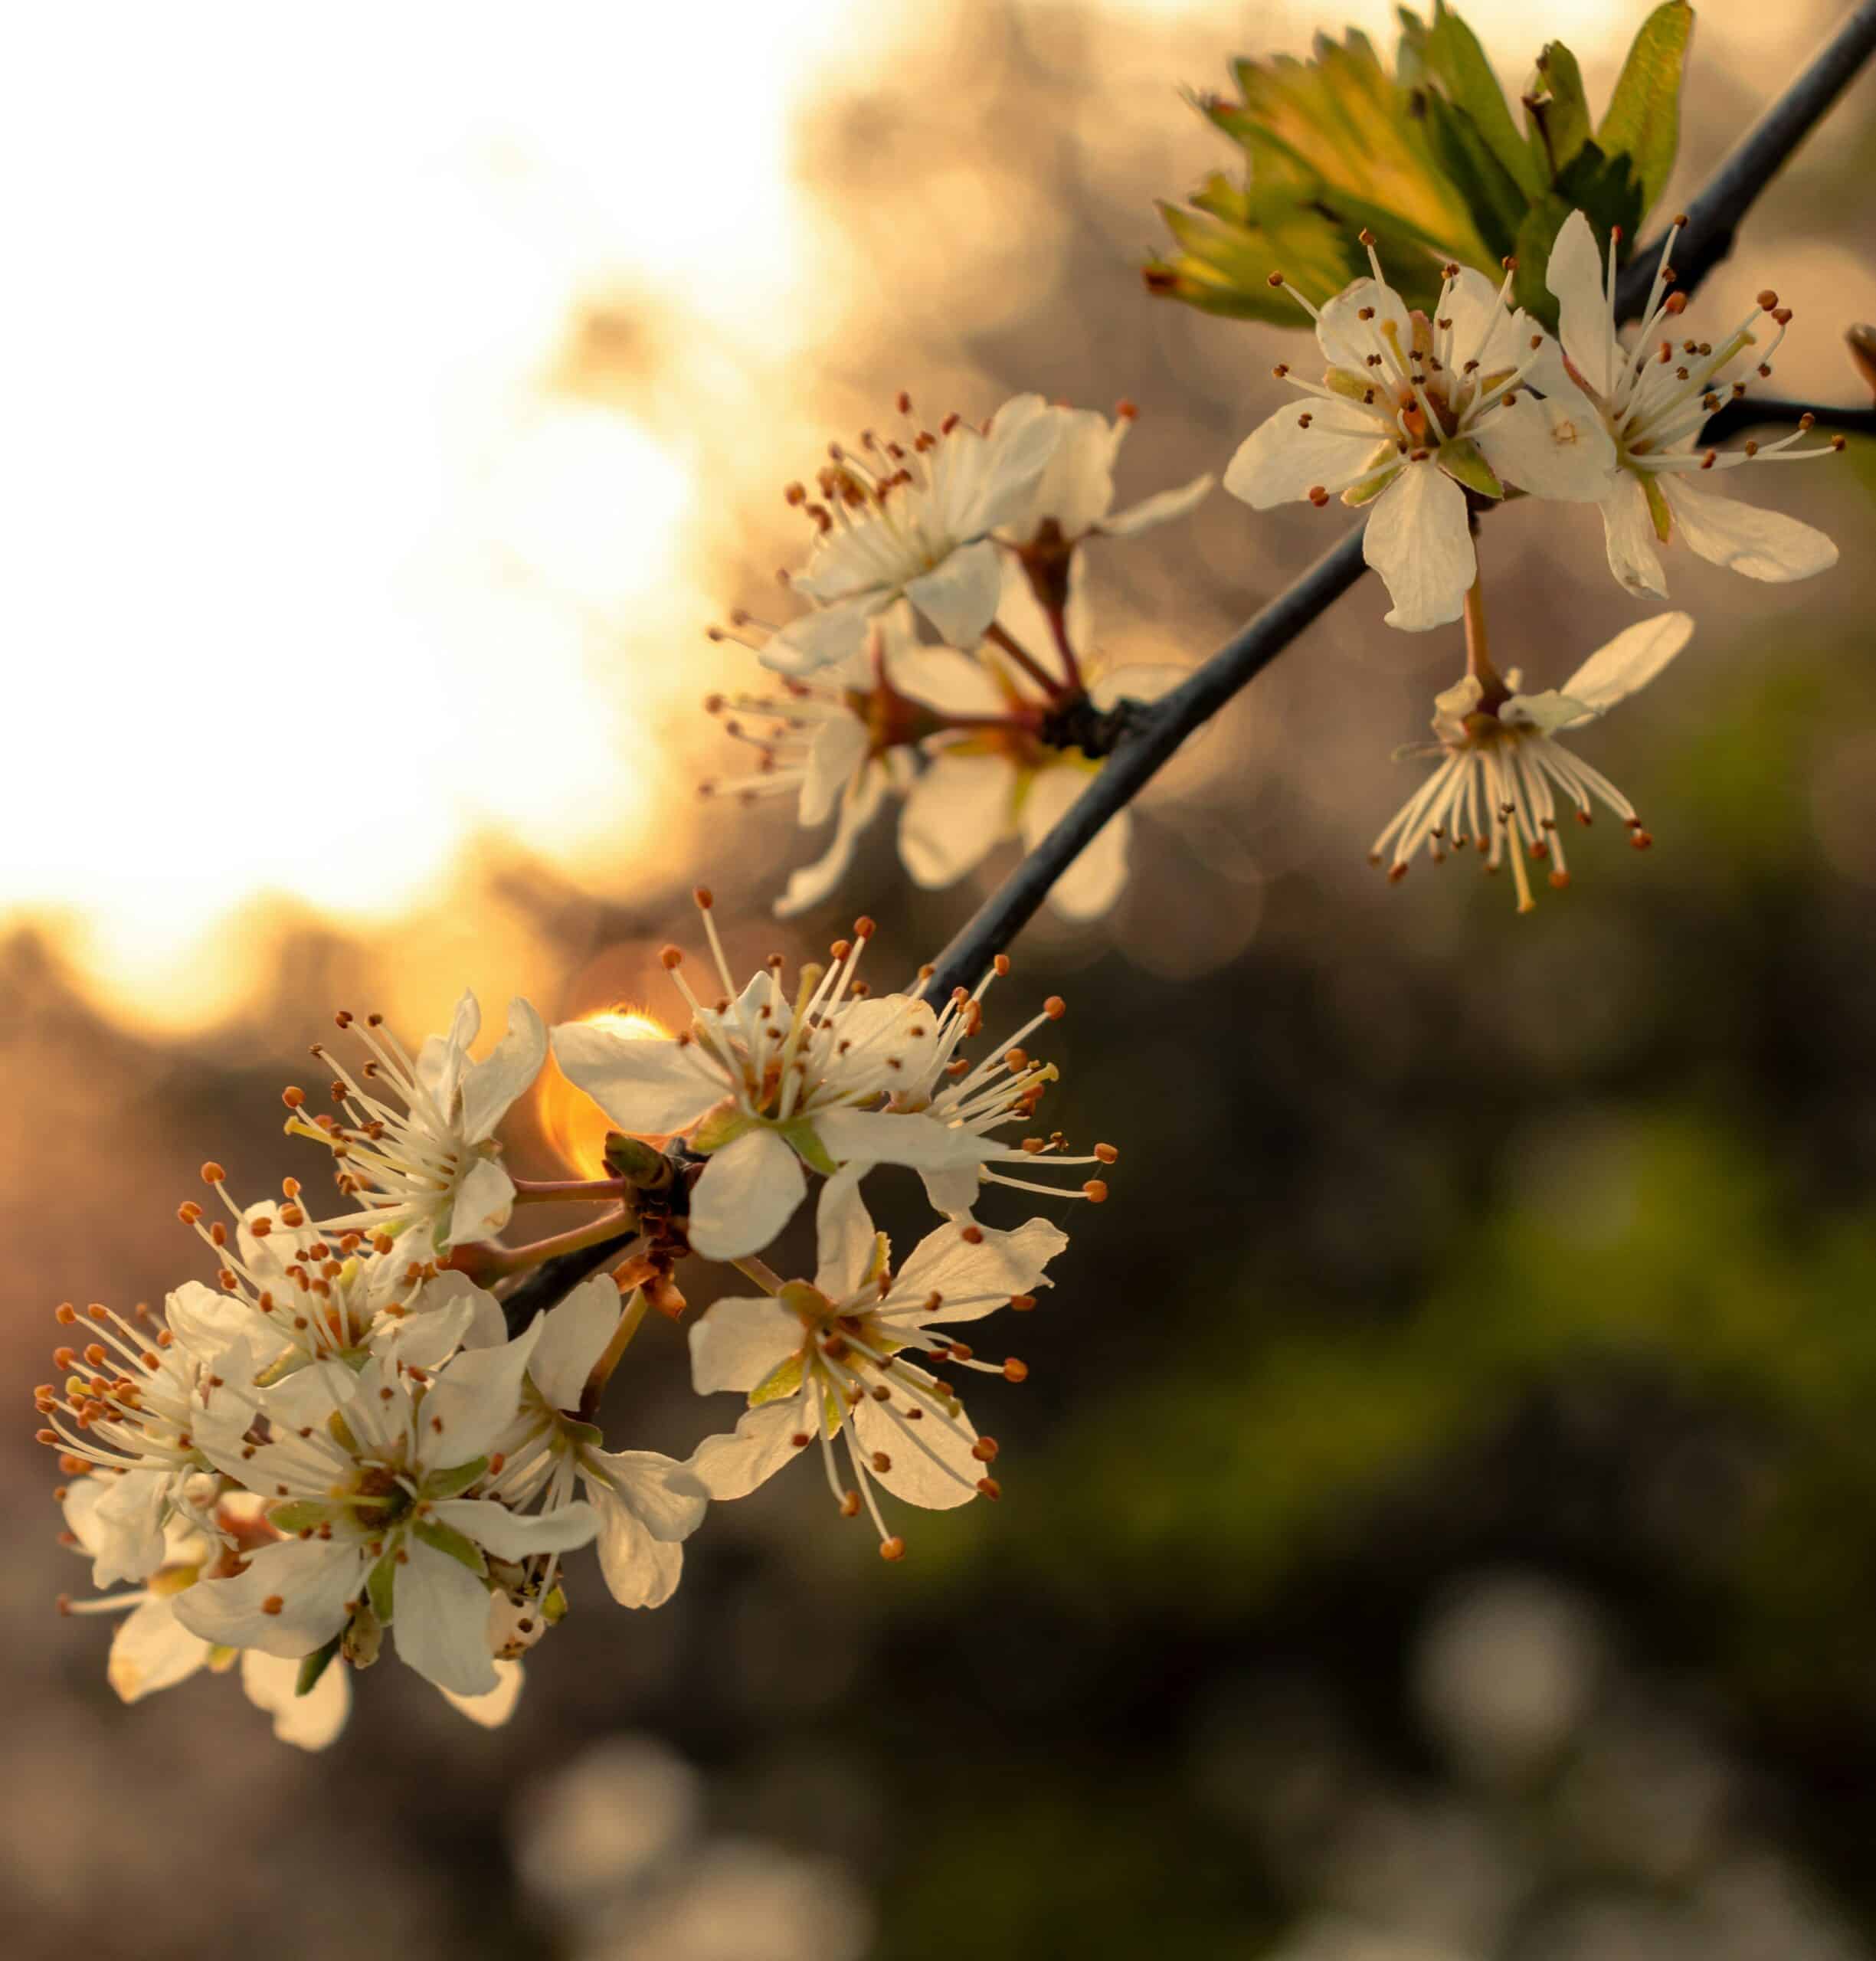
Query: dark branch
(554,1279)
(1751,412)
(1713,218)
(1158,731)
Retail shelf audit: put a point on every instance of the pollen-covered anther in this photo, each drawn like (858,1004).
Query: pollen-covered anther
(1015,1370)
(213,1173)
(1096,1191)
(892,1549)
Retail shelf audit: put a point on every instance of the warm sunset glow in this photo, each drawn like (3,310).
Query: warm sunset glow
(572,1124)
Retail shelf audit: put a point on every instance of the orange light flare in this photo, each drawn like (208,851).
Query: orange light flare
(573,1126)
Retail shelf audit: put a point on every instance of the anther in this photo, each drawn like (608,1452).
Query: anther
(892,1549)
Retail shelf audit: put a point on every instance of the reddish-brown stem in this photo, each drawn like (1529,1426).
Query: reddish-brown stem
(538,1191)
(1059,626)
(998,636)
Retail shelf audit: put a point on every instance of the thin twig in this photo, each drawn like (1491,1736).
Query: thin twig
(1713,218)
(555,1277)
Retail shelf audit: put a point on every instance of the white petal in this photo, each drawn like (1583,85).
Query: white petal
(739,1341)
(731,1466)
(490,1086)
(1092,884)
(1419,540)
(962,807)
(882,1137)
(994,1265)
(1077,485)
(944,680)
(443,1058)
(315,1581)
(953,1189)
(440,1621)
(748,1193)
(959,597)
(1576,278)
(651,1506)
(128,1519)
(808,885)
(514,1535)
(1628,537)
(153,1650)
(667,1497)
(1553,448)
(426,1337)
(1163,507)
(1483,329)
(846,1237)
(911,1474)
(1320,445)
(309,1721)
(1763,545)
(649,1086)
(573,1338)
(1348,340)
(822,638)
(1023,435)
(206,1322)
(1629,662)
(492,1709)
(472,1400)
(483,1203)
(839,748)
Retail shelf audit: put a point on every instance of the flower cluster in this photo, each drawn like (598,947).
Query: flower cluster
(358,1432)
(947,661)
(1430,419)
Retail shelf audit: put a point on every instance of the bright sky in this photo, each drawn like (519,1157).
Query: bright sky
(292,521)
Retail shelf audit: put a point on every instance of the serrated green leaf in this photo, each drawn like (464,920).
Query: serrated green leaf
(1455,58)
(1495,201)
(1558,112)
(441,1538)
(314,1665)
(1464,462)
(1643,121)
(1604,190)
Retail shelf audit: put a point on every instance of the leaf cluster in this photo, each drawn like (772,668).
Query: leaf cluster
(1429,159)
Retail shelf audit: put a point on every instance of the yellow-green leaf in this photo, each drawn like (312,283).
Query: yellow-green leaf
(1643,121)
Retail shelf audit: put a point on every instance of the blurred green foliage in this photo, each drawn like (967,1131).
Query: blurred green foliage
(1429,159)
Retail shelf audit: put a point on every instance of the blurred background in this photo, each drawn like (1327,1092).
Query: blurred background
(1441,1523)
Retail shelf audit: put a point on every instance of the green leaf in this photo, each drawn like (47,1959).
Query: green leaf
(1455,57)
(314,1665)
(1464,463)
(458,1478)
(1643,121)
(1493,197)
(381,1586)
(441,1538)
(298,1514)
(1604,190)
(1556,112)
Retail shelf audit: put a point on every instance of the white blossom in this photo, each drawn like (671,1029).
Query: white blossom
(855,1356)
(1412,413)
(1501,767)
(766,1088)
(417,1147)
(1654,393)
(1073,498)
(913,519)
(646,1505)
(371,1470)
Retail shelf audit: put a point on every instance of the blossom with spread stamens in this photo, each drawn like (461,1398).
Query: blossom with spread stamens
(767,1088)
(1655,393)
(133,1407)
(844,741)
(417,1147)
(1412,414)
(152,1650)
(373,1472)
(912,518)
(646,1505)
(1503,775)
(855,1355)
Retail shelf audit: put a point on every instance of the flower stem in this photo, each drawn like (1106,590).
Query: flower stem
(629,1322)
(538,1191)
(1059,626)
(760,1273)
(1479,651)
(998,635)
(517,1259)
